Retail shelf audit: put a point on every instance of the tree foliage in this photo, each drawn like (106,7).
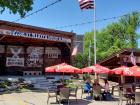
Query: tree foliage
(116,36)
(16,6)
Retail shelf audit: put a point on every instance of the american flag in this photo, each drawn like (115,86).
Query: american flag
(86,4)
(75,50)
(133,58)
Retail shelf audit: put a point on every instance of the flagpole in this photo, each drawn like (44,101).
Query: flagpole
(94,21)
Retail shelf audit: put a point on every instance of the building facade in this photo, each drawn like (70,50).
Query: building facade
(27,50)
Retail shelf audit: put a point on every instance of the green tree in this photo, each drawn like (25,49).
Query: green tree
(80,60)
(114,37)
(16,6)
(130,23)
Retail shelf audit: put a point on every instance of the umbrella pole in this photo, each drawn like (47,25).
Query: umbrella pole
(135,80)
(63,77)
(97,76)
(122,79)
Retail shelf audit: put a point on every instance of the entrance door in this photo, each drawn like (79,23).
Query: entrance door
(2,65)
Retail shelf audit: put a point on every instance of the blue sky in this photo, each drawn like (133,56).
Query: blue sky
(67,12)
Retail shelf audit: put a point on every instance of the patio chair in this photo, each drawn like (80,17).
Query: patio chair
(137,96)
(52,93)
(74,93)
(64,95)
(122,96)
(83,92)
(97,93)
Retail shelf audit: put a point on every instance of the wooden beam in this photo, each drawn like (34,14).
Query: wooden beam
(3,37)
(68,46)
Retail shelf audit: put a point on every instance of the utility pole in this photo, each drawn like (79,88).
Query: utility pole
(89,54)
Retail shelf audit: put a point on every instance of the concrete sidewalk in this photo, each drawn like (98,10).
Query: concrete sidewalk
(40,98)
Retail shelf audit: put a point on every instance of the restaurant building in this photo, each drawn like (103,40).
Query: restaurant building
(27,50)
(123,58)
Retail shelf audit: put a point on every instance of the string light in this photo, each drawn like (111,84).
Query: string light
(90,22)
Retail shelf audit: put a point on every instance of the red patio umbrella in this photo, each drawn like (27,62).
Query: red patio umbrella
(120,70)
(88,69)
(123,71)
(63,67)
(101,69)
(134,71)
(126,71)
(52,68)
(96,69)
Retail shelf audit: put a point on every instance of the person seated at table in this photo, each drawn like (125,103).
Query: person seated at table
(61,85)
(97,90)
(106,94)
(87,86)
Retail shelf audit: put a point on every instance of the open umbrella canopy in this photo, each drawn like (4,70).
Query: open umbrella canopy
(120,70)
(63,67)
(101,69)
(68,69)
(96,69)
(126,71)
(135,71)
(52,68)
(88,69)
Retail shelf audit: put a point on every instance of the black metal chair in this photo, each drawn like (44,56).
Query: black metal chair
(64,95)
(73,93)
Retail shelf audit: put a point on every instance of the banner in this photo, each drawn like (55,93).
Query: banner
(35,56)
(15,60)
(53,52)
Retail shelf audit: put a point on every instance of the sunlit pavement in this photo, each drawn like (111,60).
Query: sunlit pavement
(40,98)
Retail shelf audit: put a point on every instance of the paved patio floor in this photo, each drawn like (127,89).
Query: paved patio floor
(40,98)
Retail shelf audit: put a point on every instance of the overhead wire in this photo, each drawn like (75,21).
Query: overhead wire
(41,9)
(71,25)
(90,22)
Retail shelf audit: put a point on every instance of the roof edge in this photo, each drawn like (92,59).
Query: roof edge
(115,54)
(36,28)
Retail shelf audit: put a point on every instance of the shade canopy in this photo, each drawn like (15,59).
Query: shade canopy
(88,69)
(101,69)
(96,69)
(126,71)
(135,71)
(52,68)
(63,67)
(120,70)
